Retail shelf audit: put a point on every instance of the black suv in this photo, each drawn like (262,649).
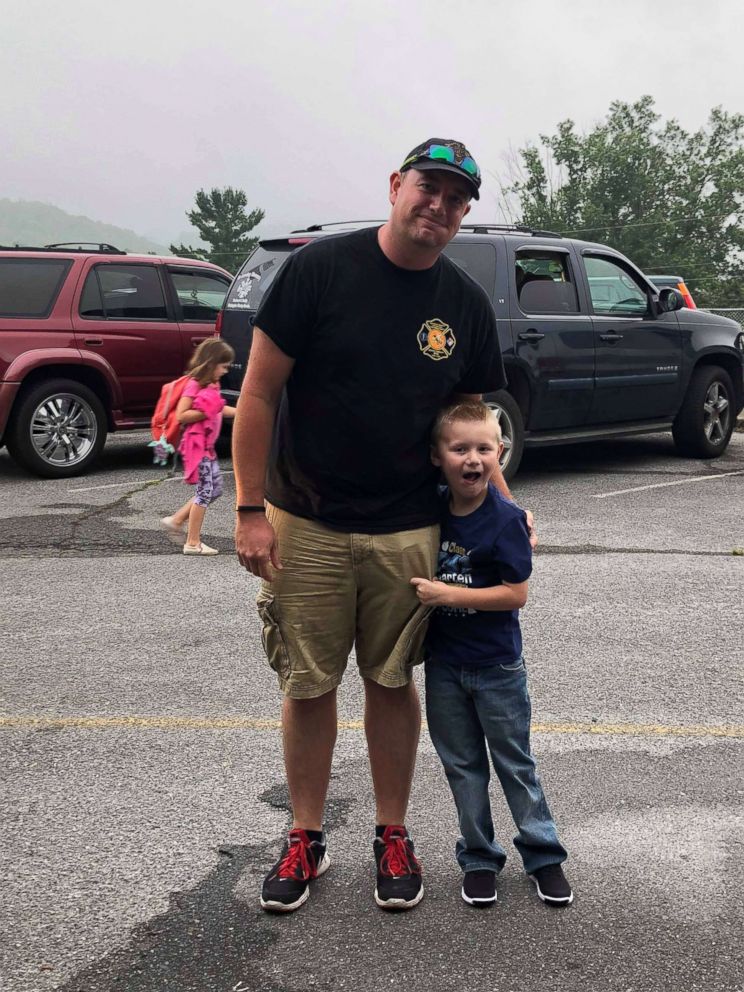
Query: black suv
(591,348)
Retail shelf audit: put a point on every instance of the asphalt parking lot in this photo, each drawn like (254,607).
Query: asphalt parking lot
(142,787)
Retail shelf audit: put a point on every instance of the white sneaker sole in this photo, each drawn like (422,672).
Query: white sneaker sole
(478,902)
(290,907)
(398,904)
(551,900)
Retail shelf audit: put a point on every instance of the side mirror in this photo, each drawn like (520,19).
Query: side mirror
(670,300)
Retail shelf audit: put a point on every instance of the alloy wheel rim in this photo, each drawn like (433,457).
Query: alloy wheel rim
(63,429)
(716,413)
(507,433)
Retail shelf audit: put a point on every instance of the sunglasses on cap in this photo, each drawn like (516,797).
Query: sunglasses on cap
(445,153)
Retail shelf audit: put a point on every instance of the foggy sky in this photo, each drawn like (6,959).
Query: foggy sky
(121,112)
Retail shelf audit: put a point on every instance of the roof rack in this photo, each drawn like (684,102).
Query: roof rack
(89,247)
(486,228)
(92,246)
(509,229)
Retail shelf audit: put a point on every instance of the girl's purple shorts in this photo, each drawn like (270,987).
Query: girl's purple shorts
(209,486)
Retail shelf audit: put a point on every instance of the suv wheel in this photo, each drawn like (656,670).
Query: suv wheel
(511,422)
(57,429)
(703,426)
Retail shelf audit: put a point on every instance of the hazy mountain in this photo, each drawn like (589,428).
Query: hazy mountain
(27,222)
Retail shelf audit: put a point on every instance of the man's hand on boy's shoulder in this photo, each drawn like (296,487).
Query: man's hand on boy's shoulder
(431,592)
(531,528)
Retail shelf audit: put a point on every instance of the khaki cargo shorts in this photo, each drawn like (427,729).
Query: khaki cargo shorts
(341,591)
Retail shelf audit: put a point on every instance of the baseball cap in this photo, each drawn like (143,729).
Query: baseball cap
(447,155)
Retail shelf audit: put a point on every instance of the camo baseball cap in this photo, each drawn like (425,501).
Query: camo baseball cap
(448,155)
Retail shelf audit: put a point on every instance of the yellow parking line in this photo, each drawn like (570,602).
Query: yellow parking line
(246,723)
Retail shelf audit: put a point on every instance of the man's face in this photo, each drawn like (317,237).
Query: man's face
(428,206)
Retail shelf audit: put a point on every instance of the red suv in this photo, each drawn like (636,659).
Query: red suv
(88,336)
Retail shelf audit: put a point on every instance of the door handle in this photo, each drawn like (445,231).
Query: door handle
(196,341)
(93,341)
(532,336)
(611,337)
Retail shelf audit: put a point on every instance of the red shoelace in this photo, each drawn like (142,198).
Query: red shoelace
(398,859)
(297,862)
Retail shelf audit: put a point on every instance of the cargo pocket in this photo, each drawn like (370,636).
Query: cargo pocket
(271,635)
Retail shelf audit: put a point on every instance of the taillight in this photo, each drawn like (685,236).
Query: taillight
(689,302)
(299,241)
(218,324)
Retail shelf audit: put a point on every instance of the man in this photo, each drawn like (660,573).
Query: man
(362,338)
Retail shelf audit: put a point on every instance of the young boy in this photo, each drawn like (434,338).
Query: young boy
(476,683)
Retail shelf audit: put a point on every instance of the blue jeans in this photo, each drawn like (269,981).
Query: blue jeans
(472,710)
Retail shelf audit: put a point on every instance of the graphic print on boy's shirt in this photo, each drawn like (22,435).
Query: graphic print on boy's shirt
(454,568)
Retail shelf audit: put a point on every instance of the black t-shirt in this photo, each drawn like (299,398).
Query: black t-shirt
(378,350)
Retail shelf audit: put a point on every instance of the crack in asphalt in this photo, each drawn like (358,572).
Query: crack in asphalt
(598,549)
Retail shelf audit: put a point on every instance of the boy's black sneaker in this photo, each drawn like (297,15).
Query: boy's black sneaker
(287,885)
(479,888)
(552,885)
(399,884)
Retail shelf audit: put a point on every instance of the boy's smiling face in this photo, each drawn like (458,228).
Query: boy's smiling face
(467,453)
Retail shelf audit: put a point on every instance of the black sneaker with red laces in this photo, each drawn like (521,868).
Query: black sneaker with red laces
(399,884)
(287,885)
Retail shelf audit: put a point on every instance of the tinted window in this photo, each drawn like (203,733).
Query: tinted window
(201,294)
(29,286)
(255,277)
(91,304)
(478,260)
(544,283)
(613,290)
(131,292)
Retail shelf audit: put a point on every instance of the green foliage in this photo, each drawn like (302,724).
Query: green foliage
(670,200)
(220,218)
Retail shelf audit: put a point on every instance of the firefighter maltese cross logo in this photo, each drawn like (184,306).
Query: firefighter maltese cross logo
(436,339)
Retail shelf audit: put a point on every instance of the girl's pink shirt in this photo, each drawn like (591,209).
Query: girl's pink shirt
(198,439)
(210,405)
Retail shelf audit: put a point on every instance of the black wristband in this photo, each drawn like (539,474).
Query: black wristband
(244,508)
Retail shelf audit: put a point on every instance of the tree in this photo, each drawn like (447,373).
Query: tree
(670,200)
(220,218)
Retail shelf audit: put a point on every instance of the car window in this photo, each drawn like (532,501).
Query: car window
(123,292)
(478,260)
(255,277)
(544,283)
(29,286)
(613,290)
(201,294)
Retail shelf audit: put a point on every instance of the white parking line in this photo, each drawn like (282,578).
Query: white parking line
(663,485)
(138,482)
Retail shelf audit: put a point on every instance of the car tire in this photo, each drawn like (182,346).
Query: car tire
(57,429)
(706,419)
(511,422)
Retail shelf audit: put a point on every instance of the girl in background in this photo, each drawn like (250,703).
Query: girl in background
(200,410)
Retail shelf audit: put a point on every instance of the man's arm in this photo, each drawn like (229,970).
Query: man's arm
(267,372)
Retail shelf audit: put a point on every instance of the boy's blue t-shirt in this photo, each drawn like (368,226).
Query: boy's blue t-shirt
(489,546)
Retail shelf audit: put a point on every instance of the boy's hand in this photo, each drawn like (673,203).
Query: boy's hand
(531,529)
(431,592)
